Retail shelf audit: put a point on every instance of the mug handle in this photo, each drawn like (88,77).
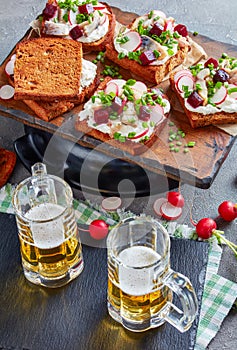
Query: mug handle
(182,287)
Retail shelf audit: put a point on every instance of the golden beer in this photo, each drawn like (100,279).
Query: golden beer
(134,293)
(49,243)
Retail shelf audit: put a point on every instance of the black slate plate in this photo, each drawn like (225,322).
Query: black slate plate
(75,317)
(88,170)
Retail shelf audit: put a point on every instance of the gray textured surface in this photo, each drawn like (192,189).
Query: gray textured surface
(216,19)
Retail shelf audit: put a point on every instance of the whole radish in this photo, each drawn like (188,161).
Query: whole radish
(98,229)
(207,228)
(228,210)
(175,198)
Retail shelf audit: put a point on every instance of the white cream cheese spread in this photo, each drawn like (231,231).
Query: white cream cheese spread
(126,110)
(88,73)
(61,18)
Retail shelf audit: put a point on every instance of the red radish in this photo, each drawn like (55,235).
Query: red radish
(169,24)
(203,73)
(133,43)
(176,199)
(234,93)
(9,68)
(120,83)
(99,8)
(219,96)
(138,136)
(157,204)
(112,87)
(139,88)
(170,212)
(181,72)
(13,57)
(228,210)
(72,17)
(6,92)
(205,228)
(157,114)
(111,203)
(98,229)
(185,80)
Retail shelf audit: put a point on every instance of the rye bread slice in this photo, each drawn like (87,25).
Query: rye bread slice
(47,69)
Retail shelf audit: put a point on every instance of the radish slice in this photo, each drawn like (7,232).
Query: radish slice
(232,94)
(139,88)
(120,83)
(170,212)
(157,204)
(133,43)
(169,24)
(112,87)
(219,96)
(157,114)
(9,68)
(180,73)
(103,19)
(203,73)
(111,203)
(185,80)
(6,92)
(99,8)
(138,136)
(13,58)
(72,17)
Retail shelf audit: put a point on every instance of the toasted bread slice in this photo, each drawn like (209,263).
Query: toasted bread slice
(47,69)
(126,129)
(49,110)
(217,102)
(94,30)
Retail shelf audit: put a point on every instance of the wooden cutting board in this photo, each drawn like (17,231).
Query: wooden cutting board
(197,167)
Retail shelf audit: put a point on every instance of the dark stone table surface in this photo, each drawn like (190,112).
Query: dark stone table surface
(213,18)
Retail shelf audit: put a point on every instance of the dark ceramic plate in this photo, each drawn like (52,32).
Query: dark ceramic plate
(86,169)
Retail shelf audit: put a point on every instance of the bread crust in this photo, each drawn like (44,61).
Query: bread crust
(47,69)
(198,120)
(128,146)
(151,73)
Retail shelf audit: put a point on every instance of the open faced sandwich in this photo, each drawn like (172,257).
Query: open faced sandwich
(91,23)
(125,113)
(208,91)
(151,46)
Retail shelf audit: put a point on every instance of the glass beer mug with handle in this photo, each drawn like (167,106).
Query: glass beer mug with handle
(50,247)
(141,282)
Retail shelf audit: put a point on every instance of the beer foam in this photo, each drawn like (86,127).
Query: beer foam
(134,279)
(48,234)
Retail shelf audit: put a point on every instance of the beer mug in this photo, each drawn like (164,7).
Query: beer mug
(50,247)
(141,282)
